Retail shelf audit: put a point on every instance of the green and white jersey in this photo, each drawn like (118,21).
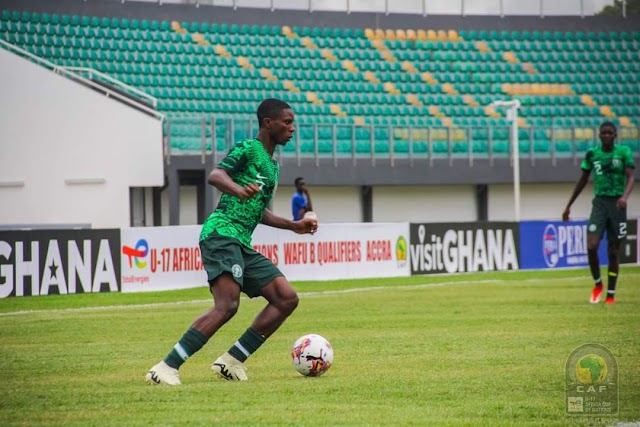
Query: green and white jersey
(246,162)
(608,168)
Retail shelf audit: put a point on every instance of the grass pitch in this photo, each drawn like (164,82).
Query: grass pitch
(474,349)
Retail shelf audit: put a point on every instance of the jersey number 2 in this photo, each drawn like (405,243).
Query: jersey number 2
(598,168)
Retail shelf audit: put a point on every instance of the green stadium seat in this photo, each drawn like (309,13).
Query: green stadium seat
(145,53)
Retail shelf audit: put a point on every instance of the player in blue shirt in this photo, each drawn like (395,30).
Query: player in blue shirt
(301,200)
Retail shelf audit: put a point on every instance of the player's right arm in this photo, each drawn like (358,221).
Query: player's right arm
(221,180)
(236,160)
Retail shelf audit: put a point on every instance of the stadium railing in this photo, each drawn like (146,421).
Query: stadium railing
(343,141)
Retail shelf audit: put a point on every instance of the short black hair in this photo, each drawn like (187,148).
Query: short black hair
(298,179)
(607,123)
(271,108)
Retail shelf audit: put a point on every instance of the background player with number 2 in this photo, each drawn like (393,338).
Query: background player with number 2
(612,167)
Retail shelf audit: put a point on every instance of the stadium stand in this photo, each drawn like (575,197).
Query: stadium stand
(358,90)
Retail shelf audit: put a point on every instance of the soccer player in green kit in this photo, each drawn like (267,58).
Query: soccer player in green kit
(248,178)
(612,167)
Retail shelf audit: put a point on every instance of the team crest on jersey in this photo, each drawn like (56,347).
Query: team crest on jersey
(616,163)
(236,270)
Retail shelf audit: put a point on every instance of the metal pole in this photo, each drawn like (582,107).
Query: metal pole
(315,144)
(372,145)
(390,130)
(353,144)
(490,139)
(214,138)
(553,145)
(624,8)
(334,142)
(410,145)
(574,148)
(386,7)
(430,146)
(424,8)
(298,155)
(501,8)
(167,141)
(470,145)
(516,162)
(541,8)
(203,138)
(449,146)
(462,8)
(512,116)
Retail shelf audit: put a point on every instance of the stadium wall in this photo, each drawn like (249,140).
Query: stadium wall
(455,203)
(68,154)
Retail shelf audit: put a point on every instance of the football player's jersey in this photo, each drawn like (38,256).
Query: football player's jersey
(247,161)
(608,169)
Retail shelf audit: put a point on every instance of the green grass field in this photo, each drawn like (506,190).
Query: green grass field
(474,349)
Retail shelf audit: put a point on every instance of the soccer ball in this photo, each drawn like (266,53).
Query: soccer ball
(312,355)
(311,214)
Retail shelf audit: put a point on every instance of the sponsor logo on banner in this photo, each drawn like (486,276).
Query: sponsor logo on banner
(161,258)
(555,244)
(465,247)
(564,241)
(141,260)
(401,251)
(46,262)
(137,254)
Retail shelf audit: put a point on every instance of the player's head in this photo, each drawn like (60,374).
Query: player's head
(299,183)
(608,133)
(275,117)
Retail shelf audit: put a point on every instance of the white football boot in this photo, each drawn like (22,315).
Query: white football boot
(229,368)
(163,374)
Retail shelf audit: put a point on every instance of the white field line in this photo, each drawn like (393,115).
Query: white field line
(310,294)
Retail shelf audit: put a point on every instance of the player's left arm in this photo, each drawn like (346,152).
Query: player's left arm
(622,201)
(304,226)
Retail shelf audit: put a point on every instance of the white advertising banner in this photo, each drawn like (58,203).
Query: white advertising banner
(338,251)
(163,258)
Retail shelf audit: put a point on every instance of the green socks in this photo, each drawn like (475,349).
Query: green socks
(193,340)
(246,345)
(190,343)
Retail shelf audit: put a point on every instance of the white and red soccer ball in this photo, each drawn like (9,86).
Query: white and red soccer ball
(312,355)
